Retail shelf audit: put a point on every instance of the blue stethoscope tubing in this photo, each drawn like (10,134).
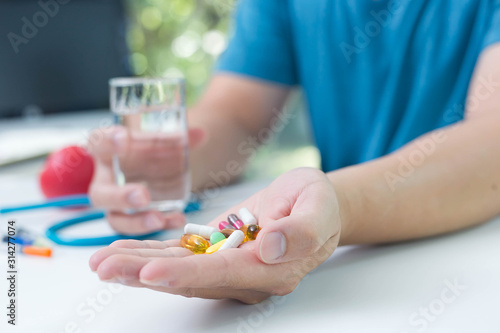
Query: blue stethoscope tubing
(77,201)
(67,201)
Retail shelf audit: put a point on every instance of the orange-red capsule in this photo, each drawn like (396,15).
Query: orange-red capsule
(38,251)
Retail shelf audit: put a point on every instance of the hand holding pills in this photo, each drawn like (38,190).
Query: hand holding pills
(299,220)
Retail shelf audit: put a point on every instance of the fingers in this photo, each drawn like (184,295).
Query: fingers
(122,268)
(116,199)
(119,198)
(232,268)
(144,222)
(177,271)
(160,249)
(116,139)
(103,192)
(103,144)
(145,244)
(125,269)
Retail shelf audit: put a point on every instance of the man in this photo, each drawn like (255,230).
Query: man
(404,98)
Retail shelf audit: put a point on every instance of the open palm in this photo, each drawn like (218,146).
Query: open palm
(300,221)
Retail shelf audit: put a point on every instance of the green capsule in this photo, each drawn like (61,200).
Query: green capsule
(216,237)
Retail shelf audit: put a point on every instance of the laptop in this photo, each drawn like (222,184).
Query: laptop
(55,59)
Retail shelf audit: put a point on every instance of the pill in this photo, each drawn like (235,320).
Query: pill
(225,225)
(244,229)
(233,241)
(216,237)
(246,216)
(228,231)
(38,251)
(17,240)
(235,221)
(199,229)
(215,247)
(195,243)
(252,230)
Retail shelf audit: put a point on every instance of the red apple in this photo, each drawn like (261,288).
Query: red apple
(67,172)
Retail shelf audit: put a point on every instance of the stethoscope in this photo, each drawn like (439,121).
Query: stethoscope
(83,201)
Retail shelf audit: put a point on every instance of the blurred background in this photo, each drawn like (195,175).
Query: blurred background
(59,58)
(185,37)
(178,37)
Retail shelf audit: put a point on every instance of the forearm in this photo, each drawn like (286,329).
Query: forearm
(218,162)
(232,112)
(438,183)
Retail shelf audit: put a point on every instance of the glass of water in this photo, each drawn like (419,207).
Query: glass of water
(153,112)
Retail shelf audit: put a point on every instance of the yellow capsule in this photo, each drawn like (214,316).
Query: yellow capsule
(215,247)
(244,229)
(195,243)
(251,231)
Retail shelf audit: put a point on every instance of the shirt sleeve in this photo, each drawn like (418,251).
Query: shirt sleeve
(493,32)
(261,45)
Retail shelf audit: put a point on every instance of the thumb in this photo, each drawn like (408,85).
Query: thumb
(291,238)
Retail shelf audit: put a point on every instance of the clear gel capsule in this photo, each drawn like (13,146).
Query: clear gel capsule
(225,225)
(246,216)
(251,231)
(235,221)
(198,229)
(195,243)
(233,241)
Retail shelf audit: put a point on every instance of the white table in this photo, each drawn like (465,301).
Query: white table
(359,289)
(31,137)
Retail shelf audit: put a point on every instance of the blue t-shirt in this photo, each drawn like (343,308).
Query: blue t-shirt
(376,74)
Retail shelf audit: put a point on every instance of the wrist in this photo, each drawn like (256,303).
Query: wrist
(349,202)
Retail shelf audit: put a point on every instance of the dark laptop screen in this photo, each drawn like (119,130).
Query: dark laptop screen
(58,55)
